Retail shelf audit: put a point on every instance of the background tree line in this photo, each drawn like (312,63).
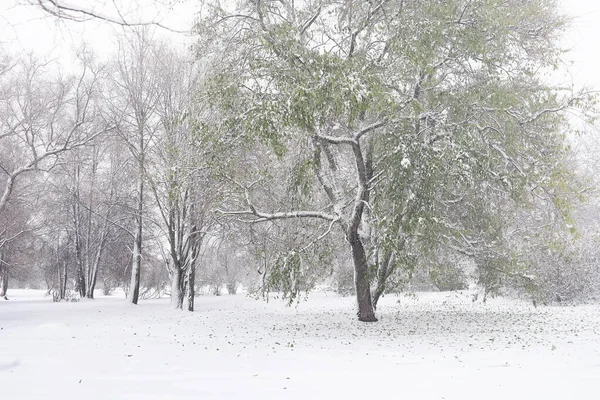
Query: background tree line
(374,146)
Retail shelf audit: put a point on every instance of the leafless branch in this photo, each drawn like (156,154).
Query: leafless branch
(63,10)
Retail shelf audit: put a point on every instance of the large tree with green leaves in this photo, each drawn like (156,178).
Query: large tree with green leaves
(414,125)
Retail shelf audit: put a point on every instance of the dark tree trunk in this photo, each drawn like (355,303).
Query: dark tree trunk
(190,284)
(366,312)
(134,287)
(81,283)
(62,280)
(90,289)
(3,278)
(384,270)
(91,286)
(80,286)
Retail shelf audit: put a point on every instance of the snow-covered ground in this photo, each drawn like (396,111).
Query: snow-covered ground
(430,346)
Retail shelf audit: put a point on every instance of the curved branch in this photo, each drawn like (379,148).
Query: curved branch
(63,10)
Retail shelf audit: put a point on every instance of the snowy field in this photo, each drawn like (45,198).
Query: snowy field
(431,346)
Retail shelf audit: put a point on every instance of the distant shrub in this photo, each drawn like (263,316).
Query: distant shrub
(448,277)
(343,279)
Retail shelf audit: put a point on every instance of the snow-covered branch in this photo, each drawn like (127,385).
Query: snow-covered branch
(263,216)
(351,140)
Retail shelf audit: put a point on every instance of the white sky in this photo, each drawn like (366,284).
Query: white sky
(584,40)
(25,28)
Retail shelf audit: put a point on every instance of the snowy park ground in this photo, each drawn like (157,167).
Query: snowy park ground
(429,346)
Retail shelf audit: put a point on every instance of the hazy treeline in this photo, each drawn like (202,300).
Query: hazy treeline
(370,147)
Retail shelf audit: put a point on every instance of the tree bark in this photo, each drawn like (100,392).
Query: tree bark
(3,278)
(93,273)
(8,189)
(190,286)
(136,266)
(63,284)
(91,286)
(78,234)
(61,273)
(384,271)
(92,283)
(134,287)
(177,287)
(366,312)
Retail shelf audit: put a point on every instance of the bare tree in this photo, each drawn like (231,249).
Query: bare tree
(133,101)
(181,180)
(90,189)
(44,117)
(16,235)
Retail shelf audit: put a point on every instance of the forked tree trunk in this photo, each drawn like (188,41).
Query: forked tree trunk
(91,285)
(384,270)
(90,289)
(93,273)
(185,244)
(366,312)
